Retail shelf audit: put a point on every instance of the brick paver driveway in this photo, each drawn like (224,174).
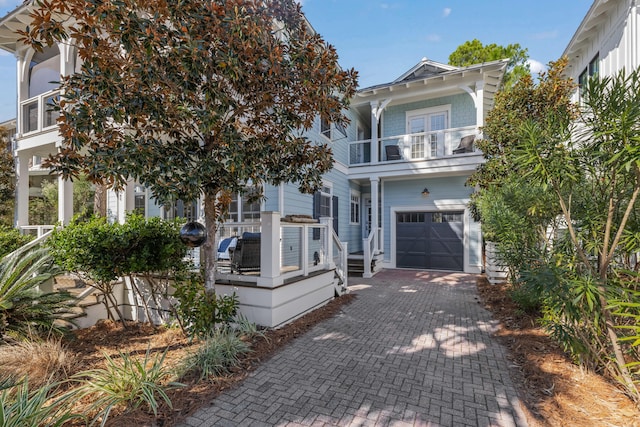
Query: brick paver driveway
(415,348)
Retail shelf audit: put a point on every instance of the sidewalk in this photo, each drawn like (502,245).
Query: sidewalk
(414,349)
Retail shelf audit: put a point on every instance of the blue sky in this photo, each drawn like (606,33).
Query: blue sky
(384,38)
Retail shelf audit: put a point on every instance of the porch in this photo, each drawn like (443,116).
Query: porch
(281,268)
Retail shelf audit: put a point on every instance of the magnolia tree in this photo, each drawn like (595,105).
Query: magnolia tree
(193,98)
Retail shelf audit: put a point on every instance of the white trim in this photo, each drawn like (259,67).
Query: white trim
(427,111)
(441,205)
(355,193)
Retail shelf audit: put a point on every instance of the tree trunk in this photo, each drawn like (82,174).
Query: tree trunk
(209,248)
(100,200)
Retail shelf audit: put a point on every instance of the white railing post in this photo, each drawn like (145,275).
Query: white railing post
(344,260)
(270,250)
(328,240)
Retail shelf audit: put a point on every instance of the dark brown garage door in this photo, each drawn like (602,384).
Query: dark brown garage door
(429,240)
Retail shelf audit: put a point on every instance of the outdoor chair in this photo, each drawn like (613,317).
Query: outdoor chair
(246,255)
(393,152)
(466,145)
(226,248)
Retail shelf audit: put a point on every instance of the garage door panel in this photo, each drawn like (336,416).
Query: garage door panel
(430,240)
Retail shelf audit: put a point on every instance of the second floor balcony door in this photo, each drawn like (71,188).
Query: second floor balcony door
(427,138)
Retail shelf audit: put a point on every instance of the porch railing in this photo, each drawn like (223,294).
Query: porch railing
(287,250)
(340,258)
(36,230)
(36,113)
(415,146)
(369,246)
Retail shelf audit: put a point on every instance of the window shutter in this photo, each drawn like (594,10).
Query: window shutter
(316,213)
(334,203)
(316,204)
(179,209)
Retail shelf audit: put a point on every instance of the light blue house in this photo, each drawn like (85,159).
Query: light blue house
(395,198)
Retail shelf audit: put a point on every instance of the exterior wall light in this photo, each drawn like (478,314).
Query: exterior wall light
(425,192)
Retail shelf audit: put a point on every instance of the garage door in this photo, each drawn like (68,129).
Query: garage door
(429,240)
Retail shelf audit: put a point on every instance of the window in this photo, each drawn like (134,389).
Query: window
(342,130)
(50,115)
(442,217)
(355,208)
(249,207)
(325,128)
(426,128)
(590,71)
(180,209)
(325,205)
(594,66)
(411,217)
(140,200)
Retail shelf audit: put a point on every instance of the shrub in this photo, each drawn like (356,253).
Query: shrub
(127,382)
(20,407)
(41,362)
(102,252)
(199,311)
(24,309)
(218,353)
(11,239)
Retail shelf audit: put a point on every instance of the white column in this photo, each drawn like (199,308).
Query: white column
(375,201)
(129,199)
(22,88)
(374,132)
(65,200)
(269,250)
(479,101)
(281,199)
(67,59)
(22,190)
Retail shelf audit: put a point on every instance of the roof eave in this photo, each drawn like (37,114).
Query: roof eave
(499,65)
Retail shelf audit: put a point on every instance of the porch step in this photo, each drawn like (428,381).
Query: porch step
(355,263)
(87,298)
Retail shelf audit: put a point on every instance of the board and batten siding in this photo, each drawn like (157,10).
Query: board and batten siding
(614,40)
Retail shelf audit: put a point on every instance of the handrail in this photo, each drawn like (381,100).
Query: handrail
(31,244)
(342,267)
(369,247)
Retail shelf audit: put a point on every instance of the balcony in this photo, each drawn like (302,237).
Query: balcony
(37,115)
(412,147)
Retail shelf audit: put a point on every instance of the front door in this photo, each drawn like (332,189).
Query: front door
(427,136)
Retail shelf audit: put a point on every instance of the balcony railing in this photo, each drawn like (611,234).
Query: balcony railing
(415,146)
(37,114)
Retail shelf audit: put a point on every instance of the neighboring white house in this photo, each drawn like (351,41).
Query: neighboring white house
(607,41)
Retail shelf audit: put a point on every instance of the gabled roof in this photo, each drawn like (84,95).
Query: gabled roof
(423,69)
(596,15)
(17,19)
(430,74)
